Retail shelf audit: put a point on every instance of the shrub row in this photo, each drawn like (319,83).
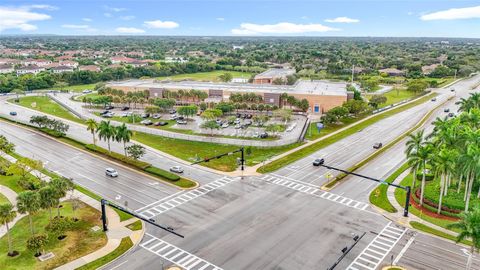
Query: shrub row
(433,207)
(127,160)
(51,132)
(162,173)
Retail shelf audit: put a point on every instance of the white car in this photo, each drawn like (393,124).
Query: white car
(225,125)
(86,91)
(111,172)
(176,169)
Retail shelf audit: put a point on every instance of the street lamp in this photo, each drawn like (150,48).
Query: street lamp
(321,162)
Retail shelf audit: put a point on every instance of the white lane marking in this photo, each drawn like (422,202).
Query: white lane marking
(404,249)
(175,201)
(175,254)
(119,265)
(376,251)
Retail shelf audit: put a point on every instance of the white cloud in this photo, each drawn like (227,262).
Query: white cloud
(453,14)
(280,28)
(108,15)
(220,19)
(161,24)
(87,19)
(127,18)
(20,18)
(75,26)
(129,30)
(342,20)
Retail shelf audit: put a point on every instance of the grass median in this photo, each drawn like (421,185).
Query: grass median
(379,198)
(299,154)
(47,105)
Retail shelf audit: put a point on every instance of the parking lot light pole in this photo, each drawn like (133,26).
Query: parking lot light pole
(406,188)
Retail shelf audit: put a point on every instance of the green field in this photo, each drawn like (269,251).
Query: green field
(206,76)
(77,88)
(395,96)
(3,199)
(79,242)
(313,132)
(46,105)
(192,151)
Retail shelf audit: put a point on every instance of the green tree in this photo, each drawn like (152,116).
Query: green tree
(415,141)
(60,187)
(28,202)
(135,150)
(123,134)
(37,242)
(7,215)
(5,145)
(225,77)
(187,111)
(48,200)
(469,226)
(59,226)
(417,85)
(92,126)
(210,125)
(376,100)
(106,132)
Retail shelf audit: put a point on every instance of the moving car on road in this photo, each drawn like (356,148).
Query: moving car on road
(378,145)
(446,110)
(176,169)
(13,113)
(111,172)
(318,162)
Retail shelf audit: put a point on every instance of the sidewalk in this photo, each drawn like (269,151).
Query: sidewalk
(398,216)
(116,230)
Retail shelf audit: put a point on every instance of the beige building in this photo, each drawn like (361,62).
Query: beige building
(321,95)
(267,77)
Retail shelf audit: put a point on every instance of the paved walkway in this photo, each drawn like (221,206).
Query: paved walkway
(116,229)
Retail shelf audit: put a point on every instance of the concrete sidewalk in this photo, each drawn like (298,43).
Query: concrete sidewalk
(117,230)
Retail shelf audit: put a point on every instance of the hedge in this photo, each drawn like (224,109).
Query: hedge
(130,161)
(162,173)
(51,132)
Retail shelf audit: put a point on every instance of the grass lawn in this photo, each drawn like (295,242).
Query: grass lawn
(78,87)
(79,241)
(3,199)
(378,197)
(279,163)
(125,244)
(395,96)
(192,150)
(92,96)
(313,132)
(47,105)
(11,181)
(206,76)
(135,226)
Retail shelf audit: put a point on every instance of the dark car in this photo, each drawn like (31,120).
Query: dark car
(109,107)
(13,113)
(104,112)
(145,115)
(451,114)
(378,145)
(318,162)
(126,108)
(264,135)
(446,110)
(160,124)
(452,90)
(434,99)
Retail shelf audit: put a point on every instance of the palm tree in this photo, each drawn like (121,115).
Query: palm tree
(28,202)
(469,226)
(92,126)
(424,155)
(60,186)
(7,215)
(443,165)
(48,199)
(123,134)
(413,144)
(106,132)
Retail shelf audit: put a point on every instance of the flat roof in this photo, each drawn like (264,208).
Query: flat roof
(317,87)
(275,72)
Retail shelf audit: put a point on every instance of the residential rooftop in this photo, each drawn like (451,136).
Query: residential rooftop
(275,73)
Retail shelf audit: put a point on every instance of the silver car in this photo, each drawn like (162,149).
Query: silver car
(111,172)
(176,169)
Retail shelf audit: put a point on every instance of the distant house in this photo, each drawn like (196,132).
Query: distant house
(32,69)
(6,68)
(239,80)
(121,59)
(237,47)
(71,64)
(170,59)
(92,68)
(114,66)
(138,63)
(392,71)
(36,62)
(267,77)
(62,69)
(429,69)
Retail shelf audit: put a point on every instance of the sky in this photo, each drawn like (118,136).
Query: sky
(383,18)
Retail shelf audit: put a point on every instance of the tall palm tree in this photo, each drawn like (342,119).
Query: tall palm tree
(123,134)
(48,200)
(92,126)
(469,226)
(28,202)
(7,215)
(413,144)
(443,165)
(106,132)
(424,155)
(60,186)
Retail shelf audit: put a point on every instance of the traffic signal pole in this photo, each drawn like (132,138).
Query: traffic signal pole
(242,158)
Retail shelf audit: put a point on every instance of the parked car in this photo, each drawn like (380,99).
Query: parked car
(237,126)
(225,125)
(104,112)
(264,135)
(124,114)
(172,111)
(145,115)
(173,117)
(156,116)
(125,108)
(446,110)
(111,172)
(451,114)
(318,162)
(86,91)
(218,121)
(181,122)
(109,107)
(161,124)
(108,115)
(13,113)
(248,122)
(249,116)
(176,169)
(146,122)
(434,99)
(377,145)
(237,121)
(452,90)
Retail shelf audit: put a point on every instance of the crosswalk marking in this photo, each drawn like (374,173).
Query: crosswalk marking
(376,251)
(166,205)
(309,189)
(176,255)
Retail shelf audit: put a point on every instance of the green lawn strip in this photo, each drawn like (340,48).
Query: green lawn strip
(282,162)
(3,199)
(394,96)
(206,76)
(135,226)
(422,227)
(341,176)
(378,196)
(313,133)
(124,246)
(76,88)
(47,105)
(80,240)
(192,150)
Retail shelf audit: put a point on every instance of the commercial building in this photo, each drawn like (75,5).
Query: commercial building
(267,77)
(321,95)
